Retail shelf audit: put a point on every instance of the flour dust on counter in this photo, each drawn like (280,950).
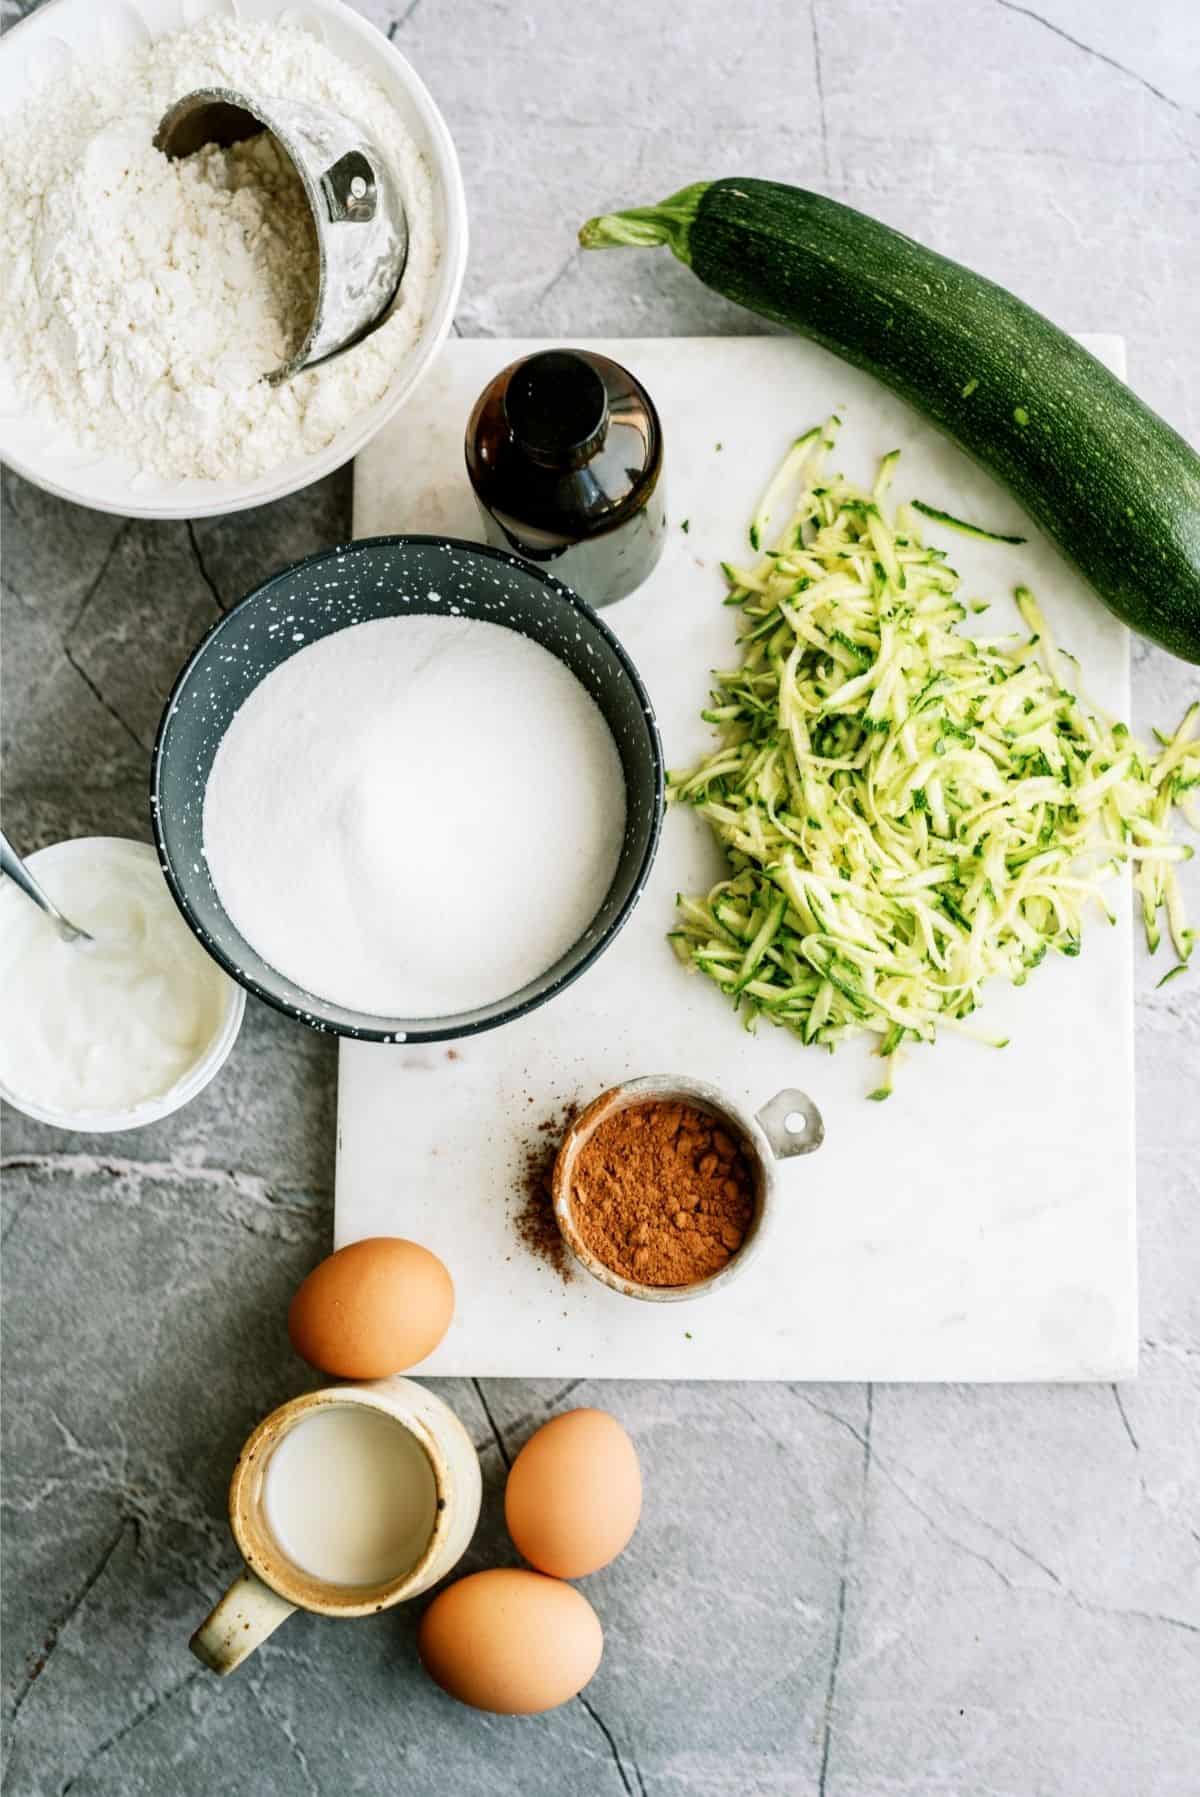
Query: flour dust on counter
(415,816)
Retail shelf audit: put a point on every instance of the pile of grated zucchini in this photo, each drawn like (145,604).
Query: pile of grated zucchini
(906,812)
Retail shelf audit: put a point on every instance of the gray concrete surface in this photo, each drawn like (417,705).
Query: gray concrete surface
(891,1592)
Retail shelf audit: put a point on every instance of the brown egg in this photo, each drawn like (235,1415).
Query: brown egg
(373,1308)
(510,1641)
(574,1494)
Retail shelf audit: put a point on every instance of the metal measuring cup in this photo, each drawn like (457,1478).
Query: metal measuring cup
(361,228)
(787,1125)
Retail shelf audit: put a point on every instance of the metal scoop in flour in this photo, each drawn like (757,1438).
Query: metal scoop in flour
(362,232)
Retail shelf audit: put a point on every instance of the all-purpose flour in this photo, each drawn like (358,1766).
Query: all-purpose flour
(415,816)
(142,301)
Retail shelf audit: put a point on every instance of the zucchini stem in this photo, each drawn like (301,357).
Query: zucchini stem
(646,227)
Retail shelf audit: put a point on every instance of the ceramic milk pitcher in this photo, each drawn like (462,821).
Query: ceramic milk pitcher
(343,1502)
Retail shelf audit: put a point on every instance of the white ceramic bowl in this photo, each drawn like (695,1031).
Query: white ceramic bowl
(64,31)
(42,863)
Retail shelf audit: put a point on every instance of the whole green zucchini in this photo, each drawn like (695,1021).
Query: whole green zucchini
(1115,487)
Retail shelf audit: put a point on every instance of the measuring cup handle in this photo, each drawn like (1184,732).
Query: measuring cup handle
(792,1124)
(245,1616)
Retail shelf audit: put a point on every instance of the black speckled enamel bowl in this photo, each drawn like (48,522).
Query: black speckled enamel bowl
(387,577)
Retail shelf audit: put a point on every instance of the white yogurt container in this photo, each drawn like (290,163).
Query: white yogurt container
(143,1005)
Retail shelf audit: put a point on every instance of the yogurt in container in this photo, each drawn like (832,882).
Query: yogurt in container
(120,1031)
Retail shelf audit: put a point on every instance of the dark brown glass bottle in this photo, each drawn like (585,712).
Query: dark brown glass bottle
(564,451)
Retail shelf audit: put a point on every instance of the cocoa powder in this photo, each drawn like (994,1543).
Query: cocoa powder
(662,1193)
(536,1223)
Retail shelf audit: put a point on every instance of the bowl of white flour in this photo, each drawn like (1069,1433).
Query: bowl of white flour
(144,301)
(408,789)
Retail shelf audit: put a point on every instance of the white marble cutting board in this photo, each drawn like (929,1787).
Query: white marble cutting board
(979,1225)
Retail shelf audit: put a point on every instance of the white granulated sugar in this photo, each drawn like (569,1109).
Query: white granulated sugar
(415,816)
(143,301)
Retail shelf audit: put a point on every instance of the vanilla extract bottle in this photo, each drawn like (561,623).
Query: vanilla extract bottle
(565,454)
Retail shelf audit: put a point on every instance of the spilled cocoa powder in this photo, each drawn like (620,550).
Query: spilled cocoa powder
(662,1193)
(536,1225)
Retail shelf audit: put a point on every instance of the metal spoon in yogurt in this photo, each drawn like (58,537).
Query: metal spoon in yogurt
(12,865)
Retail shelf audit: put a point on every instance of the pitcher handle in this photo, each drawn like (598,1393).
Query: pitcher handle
(244,1617)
